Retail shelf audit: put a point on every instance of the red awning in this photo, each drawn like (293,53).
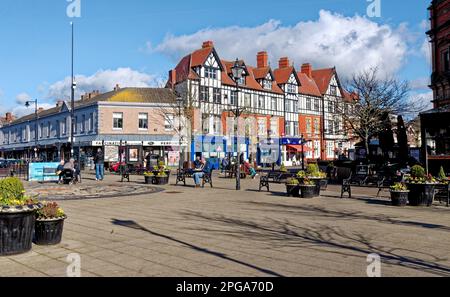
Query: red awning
(298,148)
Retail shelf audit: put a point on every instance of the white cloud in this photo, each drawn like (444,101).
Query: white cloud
(21,110)
(349,43)
(426,50)
(420,83)
(102,80)
(22,98)
(423,99)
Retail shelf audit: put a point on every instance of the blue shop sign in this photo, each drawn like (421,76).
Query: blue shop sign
(291,141)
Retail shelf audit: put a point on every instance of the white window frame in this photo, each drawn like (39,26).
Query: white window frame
(117,116)
(144,117)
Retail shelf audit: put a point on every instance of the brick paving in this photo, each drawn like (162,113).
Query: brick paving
(184,231)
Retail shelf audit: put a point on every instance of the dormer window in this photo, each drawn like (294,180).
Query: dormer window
(210,72)
(267,84)
(290,88)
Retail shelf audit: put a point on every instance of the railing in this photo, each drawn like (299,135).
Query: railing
(15,170)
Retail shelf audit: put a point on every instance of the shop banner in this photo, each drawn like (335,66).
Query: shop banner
(43,172)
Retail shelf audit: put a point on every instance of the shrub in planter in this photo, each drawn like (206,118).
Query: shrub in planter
(149,176)
(292,188)
(421,187)
(162,178)
(307,189)
(399,194)
(17,217)
(49,224)
(442,176)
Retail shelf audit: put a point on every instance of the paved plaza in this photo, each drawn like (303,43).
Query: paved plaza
(132,229)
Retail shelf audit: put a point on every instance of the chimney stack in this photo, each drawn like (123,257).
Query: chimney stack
(307,69)
(284,62)
(173,77)
(262,59)
(208,44)
(59,103)
(40,109)
(8,117)
(116,88)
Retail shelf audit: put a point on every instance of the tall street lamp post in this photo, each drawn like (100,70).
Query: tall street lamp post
(180,103)
(238,72)
(27,104)
(72,110)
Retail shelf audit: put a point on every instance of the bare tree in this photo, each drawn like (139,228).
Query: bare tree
(377,97)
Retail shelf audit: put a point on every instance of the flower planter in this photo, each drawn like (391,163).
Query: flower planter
(48,232)
(149,179)
(317,182)
(161,180)
(307,191)
(292,190)
(16,229)
(399,198)
(421,194)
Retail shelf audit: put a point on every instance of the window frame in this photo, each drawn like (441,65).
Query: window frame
(143,119)
(117,118)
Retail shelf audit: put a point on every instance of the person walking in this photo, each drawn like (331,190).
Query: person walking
(99,165)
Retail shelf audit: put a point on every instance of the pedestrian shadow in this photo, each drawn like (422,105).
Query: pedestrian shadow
(318,237)
(136,226)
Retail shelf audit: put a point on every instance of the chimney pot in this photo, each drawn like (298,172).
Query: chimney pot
(284,62)
(307,69)
(40,109)
(59,103)
(116,88)
(262,59)
(8,117)
(208,44)
(173,77)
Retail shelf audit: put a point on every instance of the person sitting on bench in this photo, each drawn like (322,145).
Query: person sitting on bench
(60,171)
(250,169)
(199,165)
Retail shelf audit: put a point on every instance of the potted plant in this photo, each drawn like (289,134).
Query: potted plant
(421,187)
(316,176)
(17,217)
(149,177)
(442,176)
(49,224)
(162,178)
(292,187)
(308,188)
(399,194)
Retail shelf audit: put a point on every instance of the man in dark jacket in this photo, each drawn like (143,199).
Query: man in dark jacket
(99,165)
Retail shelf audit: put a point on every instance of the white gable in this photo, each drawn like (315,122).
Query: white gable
(211,61)
(292,80)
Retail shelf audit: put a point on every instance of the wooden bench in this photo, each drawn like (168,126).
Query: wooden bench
(442,192)
(273,177)
(183,173)
(363,181)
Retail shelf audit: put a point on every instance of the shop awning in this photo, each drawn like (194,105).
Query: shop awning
(298,148)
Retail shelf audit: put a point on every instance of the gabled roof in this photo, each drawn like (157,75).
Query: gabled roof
(261,73)
(307,85)
(250,80)
(323,78)
(282,75)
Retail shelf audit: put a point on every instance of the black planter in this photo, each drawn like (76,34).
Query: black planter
(16,231)
(292,190)
(161,180)
(307,191)
(48,232)
(399,198)
(421,194)
(149,179)
(317,182)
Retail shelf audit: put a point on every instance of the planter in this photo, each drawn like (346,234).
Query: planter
(307,191)
(48,232)
(149,179)
(292,190)
(161,180)
(318,183)
(399,198)
(16,229)
(421,194)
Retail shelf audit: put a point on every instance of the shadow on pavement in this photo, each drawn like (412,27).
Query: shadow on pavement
(136,226)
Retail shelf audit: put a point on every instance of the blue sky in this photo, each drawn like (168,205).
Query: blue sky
(129,40)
